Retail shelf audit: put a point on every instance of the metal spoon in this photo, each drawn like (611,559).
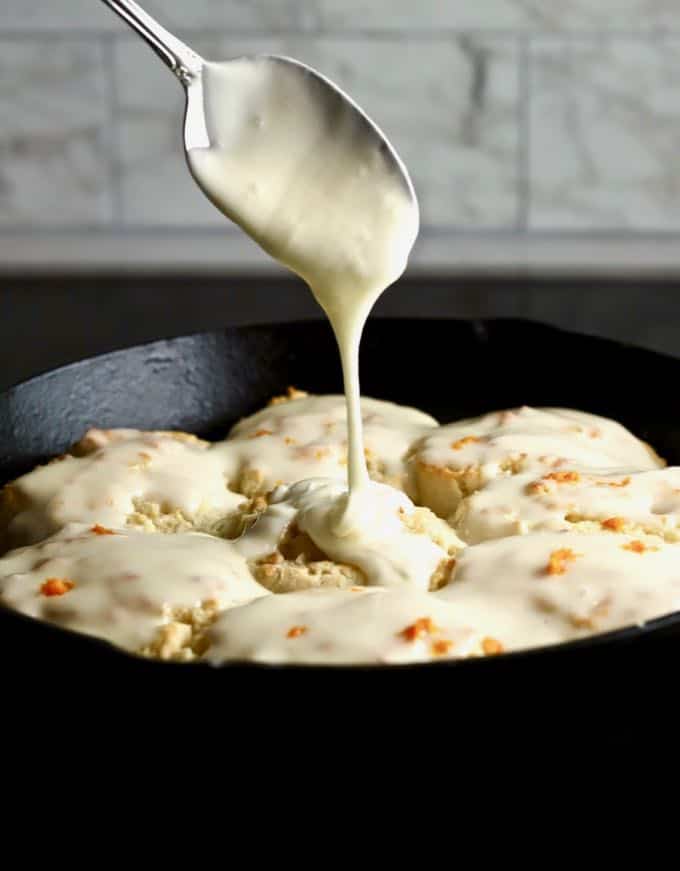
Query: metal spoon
(188,66)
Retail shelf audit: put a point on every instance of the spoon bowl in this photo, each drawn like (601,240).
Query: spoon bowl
(335,106)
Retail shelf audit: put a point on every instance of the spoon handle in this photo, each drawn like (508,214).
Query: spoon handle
(183,61)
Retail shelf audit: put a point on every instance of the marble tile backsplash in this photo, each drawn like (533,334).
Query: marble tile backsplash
(521,117)
(56,157)
(604,133)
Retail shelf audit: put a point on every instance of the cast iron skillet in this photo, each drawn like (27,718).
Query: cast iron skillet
(205,382)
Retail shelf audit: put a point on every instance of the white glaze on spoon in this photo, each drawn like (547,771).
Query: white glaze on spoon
(309,179)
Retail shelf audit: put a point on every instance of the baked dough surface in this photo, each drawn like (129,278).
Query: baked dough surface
(519,528)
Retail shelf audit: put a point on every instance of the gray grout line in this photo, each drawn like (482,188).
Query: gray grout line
(221,31)
(524,114)
(161,231)
(114,133)
(73,34)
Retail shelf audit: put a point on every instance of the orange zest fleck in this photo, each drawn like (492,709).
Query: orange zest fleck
(563,477)
(291,393)
(260,432)
(624,483)
(423,626)
(101,530)
(582,622)
(637,546)
(615,524)
(467,440)
(557,477)
(296,631)
(56,587)
(491,646)
(559,559)
(441,647)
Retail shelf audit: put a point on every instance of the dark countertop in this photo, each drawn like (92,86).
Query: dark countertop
(45,322)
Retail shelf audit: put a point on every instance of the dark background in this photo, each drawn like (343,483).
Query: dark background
(45,322)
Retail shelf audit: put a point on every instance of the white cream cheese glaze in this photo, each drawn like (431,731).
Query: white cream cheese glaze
(624,501)
(305,182)
(462,457)
(122,586)
(540,588)
(306,437)
(547,588)
(506,595)
(386,549)
(364,625)
(107,485)
(316,192)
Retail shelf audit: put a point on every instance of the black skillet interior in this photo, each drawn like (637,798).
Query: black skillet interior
(203,383)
